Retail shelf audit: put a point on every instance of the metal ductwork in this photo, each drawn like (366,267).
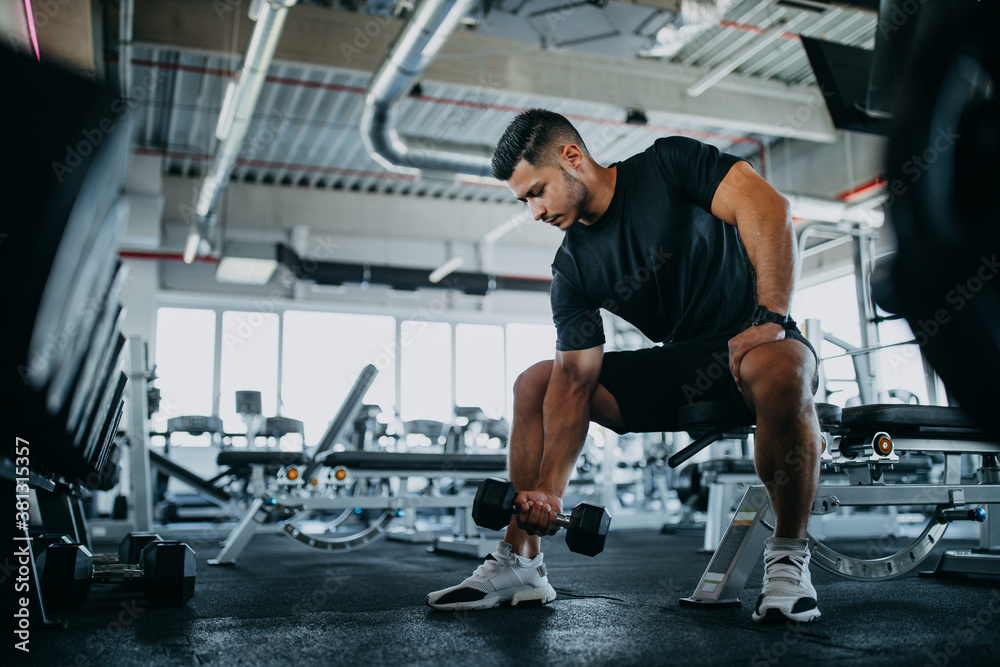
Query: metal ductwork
(234,120)
(409,57)
(323,272)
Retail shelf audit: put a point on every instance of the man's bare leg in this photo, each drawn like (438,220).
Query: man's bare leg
(777,380)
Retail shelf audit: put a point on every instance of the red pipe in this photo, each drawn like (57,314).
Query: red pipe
(753,28)
(864,190)
(164,255)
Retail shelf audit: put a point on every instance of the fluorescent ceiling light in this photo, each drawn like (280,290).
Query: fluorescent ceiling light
(225,123)
(245,271)
(438,274)
(247,263)
(191,247)
(503,228)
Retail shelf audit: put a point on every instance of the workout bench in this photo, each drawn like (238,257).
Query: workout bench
(867,440)
(290,500)
(289,485)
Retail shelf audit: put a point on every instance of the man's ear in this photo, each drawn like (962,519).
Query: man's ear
(572,154)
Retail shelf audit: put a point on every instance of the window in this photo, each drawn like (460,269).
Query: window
(425,385)
(249,363)
(479,368)
(185,364)
(901,367)
(835,304)
(323,354)
(527,344)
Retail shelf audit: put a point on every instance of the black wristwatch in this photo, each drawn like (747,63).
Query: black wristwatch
(762,315)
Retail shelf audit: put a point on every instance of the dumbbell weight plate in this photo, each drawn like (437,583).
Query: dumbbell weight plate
(494,503)
(41,543)
(131,546)
(130,551)
(169,573)
(66,575)
(588,529)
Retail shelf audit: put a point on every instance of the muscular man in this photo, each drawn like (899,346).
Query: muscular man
(697,251)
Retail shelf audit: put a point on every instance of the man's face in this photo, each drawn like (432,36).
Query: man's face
(553,194)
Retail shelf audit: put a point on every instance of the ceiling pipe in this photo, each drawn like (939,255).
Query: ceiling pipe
(125,21)
(329,273)
(235,117)
(411,54)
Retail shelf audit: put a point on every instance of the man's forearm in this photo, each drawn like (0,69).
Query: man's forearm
(769,239)
(565,419)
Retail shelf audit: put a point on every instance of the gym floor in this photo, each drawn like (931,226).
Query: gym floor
(284,604)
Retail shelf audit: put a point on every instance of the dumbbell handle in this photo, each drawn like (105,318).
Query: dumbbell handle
(562,520)
(117,573)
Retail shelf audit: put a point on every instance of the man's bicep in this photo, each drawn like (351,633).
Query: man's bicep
(743,189)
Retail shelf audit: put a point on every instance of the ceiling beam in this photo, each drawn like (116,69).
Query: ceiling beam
(327,38)
(66,34)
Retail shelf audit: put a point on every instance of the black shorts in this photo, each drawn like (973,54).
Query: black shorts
(651,384)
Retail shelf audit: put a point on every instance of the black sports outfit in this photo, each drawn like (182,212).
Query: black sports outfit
(660,260)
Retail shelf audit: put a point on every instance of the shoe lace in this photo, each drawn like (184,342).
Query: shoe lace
(488,568)
(785,566)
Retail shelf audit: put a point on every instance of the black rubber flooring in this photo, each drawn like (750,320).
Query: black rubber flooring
(284,604)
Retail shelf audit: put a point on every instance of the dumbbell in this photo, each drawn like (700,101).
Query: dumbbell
(586,528)
(165,571)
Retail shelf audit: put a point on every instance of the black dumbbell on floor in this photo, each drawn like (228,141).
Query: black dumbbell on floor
(586,528)
(165,572)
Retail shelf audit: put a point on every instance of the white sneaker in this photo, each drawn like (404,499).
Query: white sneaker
(503,578)
(788,593)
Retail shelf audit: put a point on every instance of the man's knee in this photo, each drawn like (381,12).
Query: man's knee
(531,385)
(779,374)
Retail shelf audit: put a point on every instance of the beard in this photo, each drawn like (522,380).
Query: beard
(577,195)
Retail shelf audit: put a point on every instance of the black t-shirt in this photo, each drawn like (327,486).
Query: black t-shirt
(657,257)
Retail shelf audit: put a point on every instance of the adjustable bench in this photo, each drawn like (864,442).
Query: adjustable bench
(867,440)
(288,501)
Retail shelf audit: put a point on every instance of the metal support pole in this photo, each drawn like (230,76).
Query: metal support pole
(863,363)
(138,434)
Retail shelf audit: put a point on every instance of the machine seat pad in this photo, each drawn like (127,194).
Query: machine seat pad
(235,458)
(902,418)
(728,465)
(718,415)
(493,463)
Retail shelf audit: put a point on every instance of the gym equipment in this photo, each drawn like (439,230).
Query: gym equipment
(165,570)
(874,436)
(353,483)
(942,167)
(586,528)
(61,355)
(264,504)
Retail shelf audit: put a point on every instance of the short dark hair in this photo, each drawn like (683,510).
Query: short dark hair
(531,137)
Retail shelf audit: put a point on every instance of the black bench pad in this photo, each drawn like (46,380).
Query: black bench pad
(238,459)
(717,415)
(415,461)
(903,417)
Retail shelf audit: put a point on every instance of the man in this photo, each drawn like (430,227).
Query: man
(696,250)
